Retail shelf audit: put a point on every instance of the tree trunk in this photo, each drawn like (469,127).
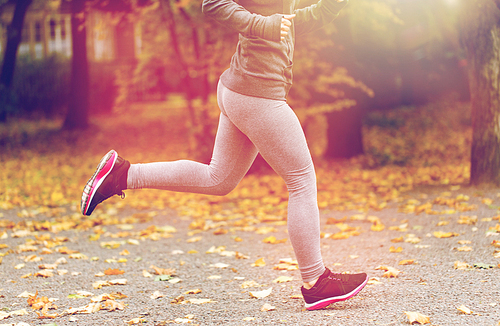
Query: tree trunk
(78,107)
(14,33)
(345,138)
(481,39)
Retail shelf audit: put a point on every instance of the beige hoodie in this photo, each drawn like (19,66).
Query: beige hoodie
(262,64)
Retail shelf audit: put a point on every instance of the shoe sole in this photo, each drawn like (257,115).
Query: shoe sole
(103,169)
(328,301)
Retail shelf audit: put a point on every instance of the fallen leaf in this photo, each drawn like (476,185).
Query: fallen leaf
(110,271)
(259,263)
(464,248)
(134,321)
(249,284)
(25,294)
(461,265)
(47,266)
(415,317)
(100,284)
(120,281)
(389,271)
(440,234)
(267,307)
(407,262)
(395,250)
(261,294)
(124,252)
(163,271)
(44,273)
(200,301)
(220,265)
(156,295)
(283,279)
(272,240)
(112,305)
(464,309)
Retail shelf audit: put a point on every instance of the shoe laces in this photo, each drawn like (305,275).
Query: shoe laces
(339,277)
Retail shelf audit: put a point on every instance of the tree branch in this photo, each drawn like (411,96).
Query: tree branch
(497,2)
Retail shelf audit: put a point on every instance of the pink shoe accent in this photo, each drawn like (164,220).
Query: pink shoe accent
(103,171)
(326,302)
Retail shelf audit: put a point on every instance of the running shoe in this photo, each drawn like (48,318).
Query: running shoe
(109,179)
(333,287)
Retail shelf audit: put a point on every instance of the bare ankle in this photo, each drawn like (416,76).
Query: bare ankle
(309,285)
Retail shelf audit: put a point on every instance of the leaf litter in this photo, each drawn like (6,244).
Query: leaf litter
(257,209)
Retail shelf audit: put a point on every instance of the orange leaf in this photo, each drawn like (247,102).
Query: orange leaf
(115,271)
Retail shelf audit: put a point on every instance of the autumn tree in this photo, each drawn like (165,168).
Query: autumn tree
(77,116)
(14,33)
(405,52)
(481,39)
(182,52)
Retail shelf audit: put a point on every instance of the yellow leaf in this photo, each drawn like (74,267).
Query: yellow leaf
(78,256)
(220,231)
(200,301)
(487,201)
(395,250)
(377,227)
(272,240)
(195,291)
(440,234)
(249,284)
(44,273)
(283,279)
(464,309)
(120,281)
(259,263)
(407,262)
(194,239)
(461,265)
(389,271)
(396,240)
(134,321)
(261,294)
(415,317)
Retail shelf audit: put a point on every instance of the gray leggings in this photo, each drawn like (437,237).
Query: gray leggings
(249,125)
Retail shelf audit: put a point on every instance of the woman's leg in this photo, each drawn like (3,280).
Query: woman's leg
(232,157)
(274,129)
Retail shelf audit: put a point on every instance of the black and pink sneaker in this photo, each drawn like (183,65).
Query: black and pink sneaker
(109,179)
(332,287)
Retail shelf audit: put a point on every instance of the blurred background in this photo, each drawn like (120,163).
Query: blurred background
(78,62)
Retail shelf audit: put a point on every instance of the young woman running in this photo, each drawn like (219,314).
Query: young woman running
(255,118)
